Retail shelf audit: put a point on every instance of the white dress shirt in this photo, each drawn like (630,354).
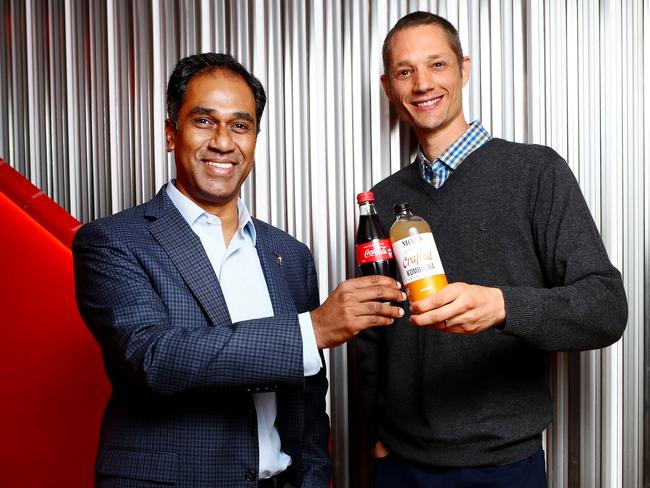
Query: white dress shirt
(247,299)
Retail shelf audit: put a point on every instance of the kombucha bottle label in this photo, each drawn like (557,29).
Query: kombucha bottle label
(417,257)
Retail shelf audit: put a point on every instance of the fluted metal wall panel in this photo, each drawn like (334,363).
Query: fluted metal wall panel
(642,306)
(82,90)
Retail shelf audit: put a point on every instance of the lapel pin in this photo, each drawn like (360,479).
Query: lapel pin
(279,259)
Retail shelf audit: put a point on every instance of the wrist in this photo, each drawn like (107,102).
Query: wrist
(500,310)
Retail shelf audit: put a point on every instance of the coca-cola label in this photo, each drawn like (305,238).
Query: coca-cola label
(375,250)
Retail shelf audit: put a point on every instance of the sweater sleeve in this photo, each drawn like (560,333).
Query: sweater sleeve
(584,305)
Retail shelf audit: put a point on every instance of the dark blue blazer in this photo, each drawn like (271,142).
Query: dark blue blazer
(181,412)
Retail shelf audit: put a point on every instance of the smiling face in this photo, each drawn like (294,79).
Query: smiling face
(214,140)
(425,82)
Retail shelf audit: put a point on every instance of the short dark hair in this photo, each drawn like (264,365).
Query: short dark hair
(191,66)
(418,18)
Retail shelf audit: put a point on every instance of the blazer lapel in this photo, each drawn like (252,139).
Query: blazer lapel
(274,263)
(186,252)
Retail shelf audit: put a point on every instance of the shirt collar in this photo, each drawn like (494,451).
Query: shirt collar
(473,138)
(191,212)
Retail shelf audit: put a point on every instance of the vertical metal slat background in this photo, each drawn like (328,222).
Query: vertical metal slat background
(82,88)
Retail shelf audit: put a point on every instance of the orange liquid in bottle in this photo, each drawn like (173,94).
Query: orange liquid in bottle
(416,256)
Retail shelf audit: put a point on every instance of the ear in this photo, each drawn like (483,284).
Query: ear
(385,82)
(466,69)
(170,134)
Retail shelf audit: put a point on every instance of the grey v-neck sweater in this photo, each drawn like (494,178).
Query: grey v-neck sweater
(511,216)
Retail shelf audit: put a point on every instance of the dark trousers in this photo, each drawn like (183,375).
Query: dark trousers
(282,480)
(391,472)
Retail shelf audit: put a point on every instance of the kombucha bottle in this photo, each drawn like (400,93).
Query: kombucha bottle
(416,254)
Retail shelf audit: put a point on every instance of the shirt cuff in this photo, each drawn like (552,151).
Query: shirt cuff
(310,356)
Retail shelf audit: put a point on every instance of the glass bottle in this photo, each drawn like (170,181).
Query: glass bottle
(373,251)
(416,254)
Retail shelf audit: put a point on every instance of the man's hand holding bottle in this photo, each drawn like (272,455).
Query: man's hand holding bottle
(355,305)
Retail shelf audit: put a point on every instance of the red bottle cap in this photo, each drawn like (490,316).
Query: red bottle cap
(366,196)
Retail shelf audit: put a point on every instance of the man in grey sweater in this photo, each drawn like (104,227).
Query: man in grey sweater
(460,383)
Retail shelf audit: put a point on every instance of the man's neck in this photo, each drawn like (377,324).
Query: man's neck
(229,216)
(435,142)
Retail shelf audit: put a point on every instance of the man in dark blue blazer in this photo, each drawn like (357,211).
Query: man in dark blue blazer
(208,319)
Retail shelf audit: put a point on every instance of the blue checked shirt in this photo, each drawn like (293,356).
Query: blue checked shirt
(440,170)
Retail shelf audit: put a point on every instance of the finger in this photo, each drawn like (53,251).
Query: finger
(439,326)
(362,322)
(459,324)
(452,326)
(446,329)
(377,293)
(378,309)
(432,317)
(460,329)
(447,295)
(445,311)
(374,280)
(374,321)
(444,326)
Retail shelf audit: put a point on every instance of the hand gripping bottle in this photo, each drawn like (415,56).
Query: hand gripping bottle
(416,254)
(373,252)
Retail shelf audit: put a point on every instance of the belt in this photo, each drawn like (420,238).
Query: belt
(280,480)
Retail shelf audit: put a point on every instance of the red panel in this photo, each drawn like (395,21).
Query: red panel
(37,204)
(51,377)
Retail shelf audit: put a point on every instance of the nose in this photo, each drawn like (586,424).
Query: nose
(423,81)
(222,139)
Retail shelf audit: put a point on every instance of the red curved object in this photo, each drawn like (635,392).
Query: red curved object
(37,204)
(51,376)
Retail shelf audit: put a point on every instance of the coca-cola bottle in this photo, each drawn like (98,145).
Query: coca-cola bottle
(374,253)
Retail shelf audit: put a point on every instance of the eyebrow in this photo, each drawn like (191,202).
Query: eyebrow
(432,57)
(209,111)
